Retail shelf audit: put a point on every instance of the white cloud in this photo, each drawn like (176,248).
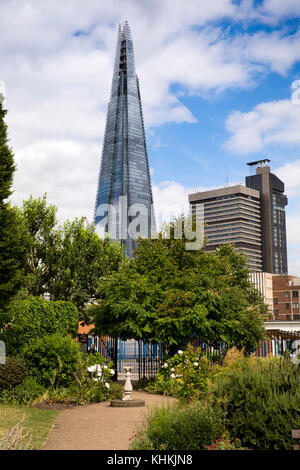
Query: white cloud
(276,50)
(290,174)
(170,200)
(56,61)
(274,122)
(66,170)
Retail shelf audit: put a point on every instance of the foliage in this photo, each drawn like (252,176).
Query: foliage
(12,373)
(52,359)
(65,261)
(225,443)
(14,237)
(28,391)
(170,295)
(189,427)
(144,383)
(34,317)
(262,401)
(93,380)
(116,391)
(183,376)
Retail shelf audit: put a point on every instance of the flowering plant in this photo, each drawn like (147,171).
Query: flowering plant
(184,375)
(224,443)
(93,380)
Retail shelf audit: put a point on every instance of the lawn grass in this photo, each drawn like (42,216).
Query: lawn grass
(37,422)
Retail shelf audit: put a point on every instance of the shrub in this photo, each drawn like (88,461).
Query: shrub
(262,400)
(116,391)
(183,376)
(12,373)
(52,359)
(28,391)
(35,317)
(93,380)
(189,427)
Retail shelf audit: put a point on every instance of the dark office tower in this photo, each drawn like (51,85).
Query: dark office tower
(273,226)
(124,180)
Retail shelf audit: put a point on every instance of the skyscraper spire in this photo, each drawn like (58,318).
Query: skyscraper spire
(124,196)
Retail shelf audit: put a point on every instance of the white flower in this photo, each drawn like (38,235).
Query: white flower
(104,367)
(172,369)
(92,368)
(96,379)
(107,385)
(165,365)
(180,352)
(196,364)
(172,376)
(112,372)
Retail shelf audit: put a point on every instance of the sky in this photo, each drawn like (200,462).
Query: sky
(220,86)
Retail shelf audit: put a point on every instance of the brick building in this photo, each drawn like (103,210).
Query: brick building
(286,292)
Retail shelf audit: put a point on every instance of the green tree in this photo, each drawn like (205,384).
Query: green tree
(171,295)
(65,261)
(14,238)
(41,221)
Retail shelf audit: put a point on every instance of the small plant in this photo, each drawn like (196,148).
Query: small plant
(180,427)
(12,373)
(28,391)
(225,443)
(15,438)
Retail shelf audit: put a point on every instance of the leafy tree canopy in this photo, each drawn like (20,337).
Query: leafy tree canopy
(65,261)
(170,295)
(14,237)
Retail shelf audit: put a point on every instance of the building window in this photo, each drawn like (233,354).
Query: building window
(296,305)
(295,294)
(296,317)
(287,307)
(276,312)
(275,300)
(286,294)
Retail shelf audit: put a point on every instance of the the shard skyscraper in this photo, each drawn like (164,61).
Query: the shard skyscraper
(124,196)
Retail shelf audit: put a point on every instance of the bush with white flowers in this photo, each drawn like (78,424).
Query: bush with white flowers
(94,380)
(184,375)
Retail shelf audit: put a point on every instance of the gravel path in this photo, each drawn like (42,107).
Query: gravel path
(99,426)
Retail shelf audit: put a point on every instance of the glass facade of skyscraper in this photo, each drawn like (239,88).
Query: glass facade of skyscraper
(124,179)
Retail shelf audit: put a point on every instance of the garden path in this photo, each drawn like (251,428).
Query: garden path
(99,426)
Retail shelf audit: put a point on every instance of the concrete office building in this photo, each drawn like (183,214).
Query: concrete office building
(231,215)
(251,217)
(273,224)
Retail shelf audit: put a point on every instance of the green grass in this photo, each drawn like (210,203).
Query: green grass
(37,422)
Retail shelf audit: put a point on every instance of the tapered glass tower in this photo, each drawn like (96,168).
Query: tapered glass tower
(124,196)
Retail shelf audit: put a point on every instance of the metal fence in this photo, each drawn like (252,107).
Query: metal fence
(279,343)
(145,358)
